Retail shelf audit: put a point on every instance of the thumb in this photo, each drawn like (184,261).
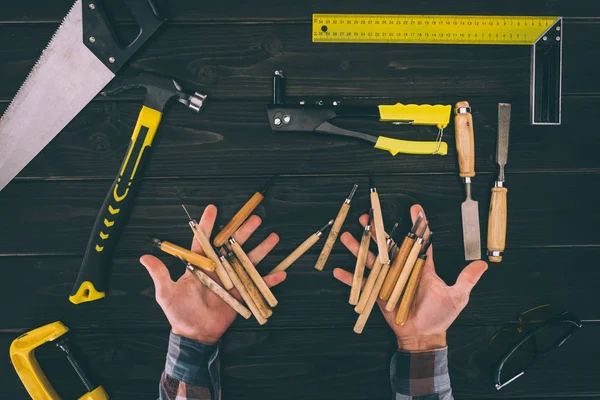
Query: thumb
(159,274)
(468,278)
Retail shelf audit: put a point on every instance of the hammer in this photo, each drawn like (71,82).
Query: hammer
(92,279)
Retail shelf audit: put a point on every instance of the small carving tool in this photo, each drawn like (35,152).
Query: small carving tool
(399,260)
(335,230)
(465,147)
(300,250)
(413,284)
(184,254)
(496,240)
(372,299)
(241,216)
(251,270)
(241,288)
(379,226)
(319,117)
(361,260)
(218,290)
(372,278)
(204,242)
(22,355)
(253,291)
(406,270)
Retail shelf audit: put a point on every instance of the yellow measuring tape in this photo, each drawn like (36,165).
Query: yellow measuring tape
(429,29)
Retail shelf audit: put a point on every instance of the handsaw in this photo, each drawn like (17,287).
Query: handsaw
(82,57)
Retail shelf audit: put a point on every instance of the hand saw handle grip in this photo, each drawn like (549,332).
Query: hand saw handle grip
(91,282)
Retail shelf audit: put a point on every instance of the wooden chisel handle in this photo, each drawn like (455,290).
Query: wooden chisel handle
(210,252)
(254,275)
(187,255)
(238,219)
(296,254)
(497,224)
(237,282)
(369,285)
(409,294)
(220,292)
(465,143)
(359,269)
(255,295)
(404,274)
(396,268)
(384,257)
(332,237)
(364,315)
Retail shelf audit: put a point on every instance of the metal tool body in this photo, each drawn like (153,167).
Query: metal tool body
(82,57)
(22,355)
(496,240)
(319,117)
(91,281)
(465,148)
(543,33)
(335,230)
(400,259)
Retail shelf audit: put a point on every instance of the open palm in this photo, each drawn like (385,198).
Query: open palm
(436,304)
(193,310)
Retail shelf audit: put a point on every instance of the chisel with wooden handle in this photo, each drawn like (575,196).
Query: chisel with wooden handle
(241,216)
(399,260)
(335,230)
(496,240)
(204,243)
(373,275)
(184,254)
(465,147)
(413,284)
(251,270)
(361,260)
(364,315)
(300,250)
(406,270)
(379,226)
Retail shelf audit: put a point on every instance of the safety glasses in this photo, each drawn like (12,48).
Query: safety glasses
(515,349)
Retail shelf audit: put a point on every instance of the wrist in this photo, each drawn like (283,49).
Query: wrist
(421,343)
(198,337)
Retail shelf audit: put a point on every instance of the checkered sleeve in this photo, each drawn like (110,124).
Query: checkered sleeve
(191,371)
(421,376)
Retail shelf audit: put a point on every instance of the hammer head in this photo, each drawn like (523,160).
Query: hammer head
(159,91)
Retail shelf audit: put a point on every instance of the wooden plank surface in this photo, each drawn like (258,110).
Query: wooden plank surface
(255,365)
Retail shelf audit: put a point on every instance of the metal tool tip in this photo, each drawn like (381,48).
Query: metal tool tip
(393,230)
(231,240)
(327,225)
(279,72)
(425,226)
(154,241)
(352,192)
(370,216)
(427,244)
(186,211)
(268,185)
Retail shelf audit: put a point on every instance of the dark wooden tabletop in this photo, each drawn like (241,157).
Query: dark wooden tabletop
(229,50)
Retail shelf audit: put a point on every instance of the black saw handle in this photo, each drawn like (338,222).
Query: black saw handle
(92,279)
(99,32)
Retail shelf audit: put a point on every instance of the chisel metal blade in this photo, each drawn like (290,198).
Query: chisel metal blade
(471,234)
(65,79)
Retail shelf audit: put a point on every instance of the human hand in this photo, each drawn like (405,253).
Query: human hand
(193,310)
(436,305)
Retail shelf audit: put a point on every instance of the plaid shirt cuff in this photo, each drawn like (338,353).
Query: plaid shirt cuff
(421,375)
(191,366)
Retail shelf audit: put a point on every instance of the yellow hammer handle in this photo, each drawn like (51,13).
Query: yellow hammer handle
(497,223)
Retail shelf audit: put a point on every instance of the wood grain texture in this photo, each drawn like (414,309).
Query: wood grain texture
(368,287)
(297,253)
(253,273)
(238,219)
(409,294)
(404,275)
(362,319)
(210,252)
(332,236)
(221,293)
(496,236)
(252,289)
(195,259)
(359,268)
(243,291)
(396,268)
(379,226)
(465,141)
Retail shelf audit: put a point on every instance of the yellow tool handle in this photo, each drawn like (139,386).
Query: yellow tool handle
(465,142)
(396,268)
(359,268)
(395,146)
(404,275)
(97,394)
(497,223)
(238,219)
(333,234)
(189,256)
(210,252)
(409,294)
(417,114)
(296,254)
